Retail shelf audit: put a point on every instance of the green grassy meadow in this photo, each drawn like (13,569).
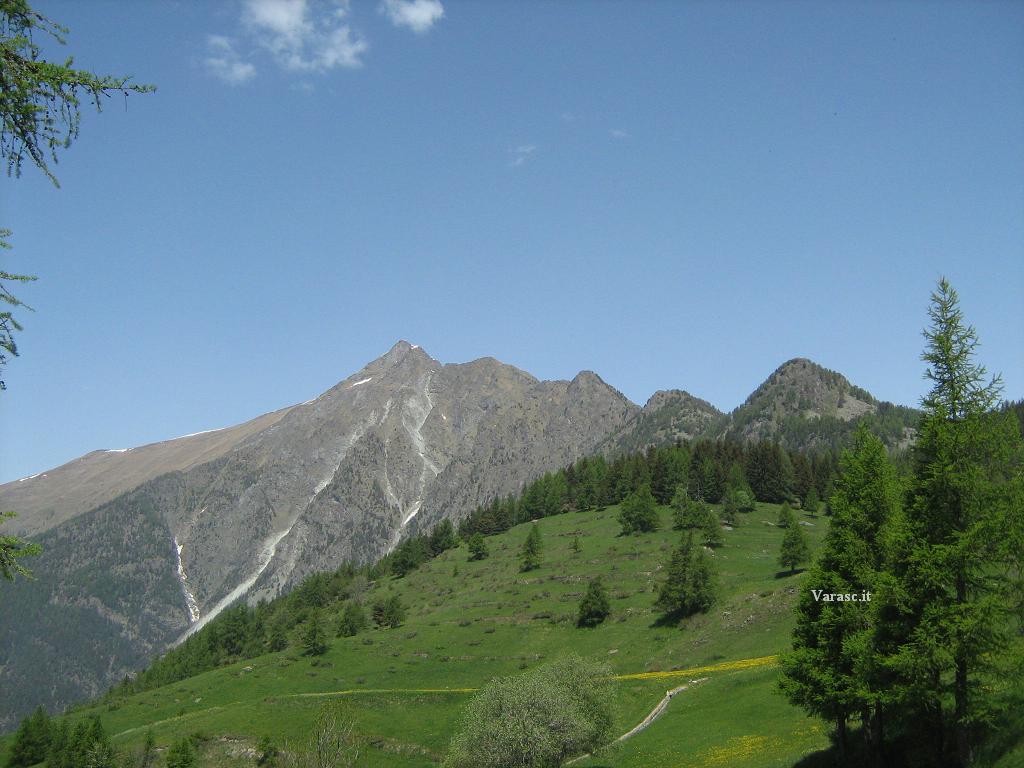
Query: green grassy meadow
(471,621)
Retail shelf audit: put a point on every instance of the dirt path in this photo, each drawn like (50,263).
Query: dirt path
(653,715)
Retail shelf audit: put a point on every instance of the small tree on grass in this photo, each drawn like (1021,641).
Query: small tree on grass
(730,508)
(794,547)
(442,538)
(812,502)
(576,546)
(353,619)
(638,512)
(745,501)
(389,612)
(686,512)
(529,555)
(689,586)
(711,529)
(595,606)
(538,719)
(786,517)
(478,547)
(314,640)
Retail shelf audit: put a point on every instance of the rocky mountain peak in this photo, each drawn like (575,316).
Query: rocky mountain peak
(799,388)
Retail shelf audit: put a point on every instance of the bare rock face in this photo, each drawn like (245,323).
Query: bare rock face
(391,450)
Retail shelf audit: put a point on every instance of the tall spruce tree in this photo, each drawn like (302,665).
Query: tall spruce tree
(832,670)
(690,583)
(955,548)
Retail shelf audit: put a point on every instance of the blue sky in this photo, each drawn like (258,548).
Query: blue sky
(675,195)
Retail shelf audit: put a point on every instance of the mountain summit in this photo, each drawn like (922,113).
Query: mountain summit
(143,546)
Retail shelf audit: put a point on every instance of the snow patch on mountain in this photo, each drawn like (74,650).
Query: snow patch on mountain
(266,554)
(190,599)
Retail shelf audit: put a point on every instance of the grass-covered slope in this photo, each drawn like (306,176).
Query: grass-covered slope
(469,621)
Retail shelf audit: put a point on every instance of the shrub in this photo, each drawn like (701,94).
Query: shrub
(537,719)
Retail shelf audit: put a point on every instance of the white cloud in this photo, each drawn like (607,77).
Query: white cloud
(521,154)
(417,15)
(618,133)
(304,36)
(225,63)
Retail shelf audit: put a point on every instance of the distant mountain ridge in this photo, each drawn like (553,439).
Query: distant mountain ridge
(802,405)
(142,546)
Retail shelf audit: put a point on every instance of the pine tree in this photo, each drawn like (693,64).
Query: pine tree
(59,753)
(833,670)
(478,547)
(730,508)
(786,517)
(956,548)
(91,746)
(32,740)
(353,619)
(811,502)
(529,555)
(389,612)
(686,512)
(314,640)
(703,583)
(278,638)
(745,501)
(576,546)
(794,548)
(673,596)
(595,606)
(638,512)
(442,538)
(690,583)
(12,549)
(711,529)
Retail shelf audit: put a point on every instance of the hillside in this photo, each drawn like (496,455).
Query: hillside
(183,528)
(469,621)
